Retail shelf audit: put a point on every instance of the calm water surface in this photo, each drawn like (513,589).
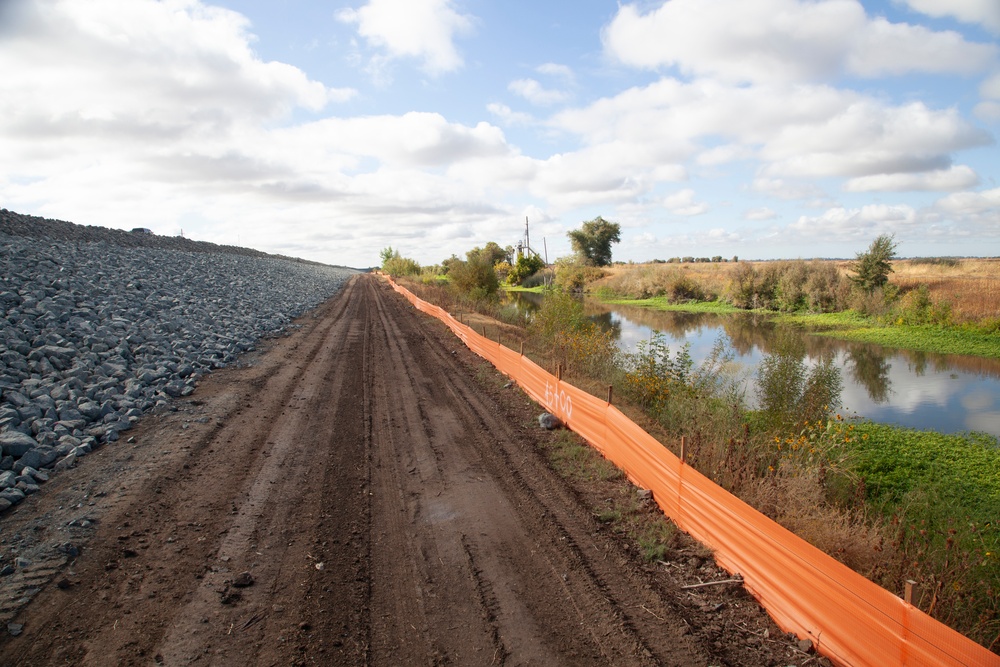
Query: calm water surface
(945,393)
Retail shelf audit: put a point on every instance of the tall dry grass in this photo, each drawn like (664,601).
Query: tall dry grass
(970,286)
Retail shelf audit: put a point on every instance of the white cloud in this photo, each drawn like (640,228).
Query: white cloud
(145,69)
(984,12)
(683,203)
(866,138)
(556,70)
(853,224)
(885,48)
(990,88)
(508,116)
(762,213)
(421,29)
(535,93)
(958,177)
(972,206)
(988,111)
(798,131)
(782,41)
(782,189)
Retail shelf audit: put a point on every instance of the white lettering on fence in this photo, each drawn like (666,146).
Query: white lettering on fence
(559,401)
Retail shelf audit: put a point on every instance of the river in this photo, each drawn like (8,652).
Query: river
(941,392)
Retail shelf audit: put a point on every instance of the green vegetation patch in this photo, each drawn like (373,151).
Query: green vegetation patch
(962,470)
(663,303)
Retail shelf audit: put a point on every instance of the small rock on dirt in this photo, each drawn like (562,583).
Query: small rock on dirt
(243,580)
(549,421)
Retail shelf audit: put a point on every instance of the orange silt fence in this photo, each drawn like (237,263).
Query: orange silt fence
(849,619)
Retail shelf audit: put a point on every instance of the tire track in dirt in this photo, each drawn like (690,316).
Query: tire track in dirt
(388,509)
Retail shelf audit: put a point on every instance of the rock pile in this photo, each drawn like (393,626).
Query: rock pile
(94,333)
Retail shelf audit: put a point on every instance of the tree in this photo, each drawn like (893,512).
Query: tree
(396,265)
(475,278)
(527,265)
(386,254)
(490,254)
(872,268)
(593,240)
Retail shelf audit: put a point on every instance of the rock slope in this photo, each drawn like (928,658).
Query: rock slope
(99,326)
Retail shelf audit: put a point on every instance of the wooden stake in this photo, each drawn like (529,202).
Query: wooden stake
(559,371)
(522,348)
(908,591)
(683,448)
(713,583)
(610,390)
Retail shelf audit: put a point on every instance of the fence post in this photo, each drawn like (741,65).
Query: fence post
(559,371)
(522,348)
(610,389)
(908,591)
(683,449)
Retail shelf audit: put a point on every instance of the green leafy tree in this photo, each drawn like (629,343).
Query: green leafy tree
(525,267)
(396,265)
(872,268)
(386,254)
(592,242)
(476,277)
(491,254)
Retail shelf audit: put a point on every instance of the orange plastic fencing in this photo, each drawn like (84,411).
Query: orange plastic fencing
(848,618)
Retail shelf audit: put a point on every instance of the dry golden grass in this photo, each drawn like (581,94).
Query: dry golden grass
(970,286)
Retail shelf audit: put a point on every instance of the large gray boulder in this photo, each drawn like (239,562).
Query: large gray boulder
(16,443)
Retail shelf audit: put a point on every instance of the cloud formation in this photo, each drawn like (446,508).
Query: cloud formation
(783,41)
(422,29)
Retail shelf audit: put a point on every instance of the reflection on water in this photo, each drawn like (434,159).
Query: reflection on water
(946,393)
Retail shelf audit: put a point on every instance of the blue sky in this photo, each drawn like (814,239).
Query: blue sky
(329,130)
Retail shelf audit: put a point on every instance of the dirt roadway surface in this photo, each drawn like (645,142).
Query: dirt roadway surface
(355,495)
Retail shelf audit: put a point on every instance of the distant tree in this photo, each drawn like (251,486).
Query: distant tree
(475,278)
(386,254)
(872,268)
(490,254)
(527,265)
(592,242)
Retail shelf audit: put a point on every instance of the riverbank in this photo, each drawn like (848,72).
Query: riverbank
(850,325)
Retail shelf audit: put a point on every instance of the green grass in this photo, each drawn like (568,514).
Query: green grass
(663,303)
(922,338)
(896,461)
(541,289)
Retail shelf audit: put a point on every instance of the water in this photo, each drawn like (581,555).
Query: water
(942,392)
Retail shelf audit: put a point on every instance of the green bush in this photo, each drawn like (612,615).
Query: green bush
(474,279)
(525,267)
(789,392)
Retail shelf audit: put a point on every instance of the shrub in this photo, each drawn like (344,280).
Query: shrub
(573,276)
(526,266)
(872,267)
(476,279)
(789,392)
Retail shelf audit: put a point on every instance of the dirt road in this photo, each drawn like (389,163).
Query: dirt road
(357,495)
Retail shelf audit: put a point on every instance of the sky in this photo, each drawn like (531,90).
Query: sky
(762,129)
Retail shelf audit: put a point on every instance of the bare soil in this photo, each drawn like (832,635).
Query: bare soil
(365,491)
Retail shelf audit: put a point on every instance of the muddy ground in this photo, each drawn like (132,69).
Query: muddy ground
(364,491)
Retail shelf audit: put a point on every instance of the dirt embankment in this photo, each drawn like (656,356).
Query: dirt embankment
(365,492)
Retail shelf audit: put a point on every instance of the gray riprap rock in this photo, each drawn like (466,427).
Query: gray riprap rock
(16,443)
(12,495)
(100,326)
(66,462)
(7,479)
(549,421)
